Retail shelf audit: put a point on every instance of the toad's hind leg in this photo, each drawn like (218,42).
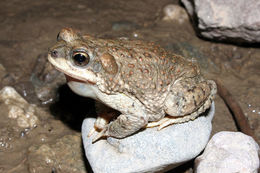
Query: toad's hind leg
(186,103)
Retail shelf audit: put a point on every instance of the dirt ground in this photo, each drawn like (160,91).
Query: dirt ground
(29,28)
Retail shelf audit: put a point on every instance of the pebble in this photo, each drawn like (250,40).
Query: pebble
(229,152)
(149,150)
(174,12)
(235,21)
(18,108)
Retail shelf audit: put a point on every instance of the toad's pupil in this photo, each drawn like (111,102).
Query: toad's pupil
(80,59)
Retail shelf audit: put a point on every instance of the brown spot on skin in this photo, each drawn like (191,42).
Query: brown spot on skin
(114,49)
(204,93)
(151,43)
(109,63)
(194,102)
(131,65)
(146,71)
(129,56)
(147,55)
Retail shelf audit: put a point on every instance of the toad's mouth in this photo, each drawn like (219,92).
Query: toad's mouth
(71,79)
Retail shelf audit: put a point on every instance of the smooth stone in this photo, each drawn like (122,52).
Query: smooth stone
(234,21)
(148,150)
(175,13)
(229,152)
(18,108)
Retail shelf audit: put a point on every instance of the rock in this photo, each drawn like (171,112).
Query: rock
(174,12)
(27,91)
(232,21)
(18,108)
(65,155)
(46,80)
(229,152)
(148,150)
(17,129)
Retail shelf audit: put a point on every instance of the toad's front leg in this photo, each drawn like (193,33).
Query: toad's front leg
(123,126)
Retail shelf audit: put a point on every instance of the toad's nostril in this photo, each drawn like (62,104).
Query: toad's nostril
(54,53)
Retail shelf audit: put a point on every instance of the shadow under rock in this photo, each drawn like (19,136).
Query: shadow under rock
(71,108)
(184,168)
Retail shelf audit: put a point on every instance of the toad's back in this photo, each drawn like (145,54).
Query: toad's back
(146,71)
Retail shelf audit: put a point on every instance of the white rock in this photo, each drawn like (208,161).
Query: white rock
(148,150)
(232,20)
(229,152)
(174,12)
(18,108)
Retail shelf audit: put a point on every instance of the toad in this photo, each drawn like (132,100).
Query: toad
(141,80)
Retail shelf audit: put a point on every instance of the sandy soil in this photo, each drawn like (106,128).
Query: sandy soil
(29,27)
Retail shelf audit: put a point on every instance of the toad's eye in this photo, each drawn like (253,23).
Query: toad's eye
(80,59)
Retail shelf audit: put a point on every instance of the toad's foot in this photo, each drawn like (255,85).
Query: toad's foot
(168,120)
(99,125)
(105,114)
(161,123)
(100,135)
(92,131)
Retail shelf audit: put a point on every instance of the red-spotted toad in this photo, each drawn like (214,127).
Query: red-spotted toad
(141,80)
